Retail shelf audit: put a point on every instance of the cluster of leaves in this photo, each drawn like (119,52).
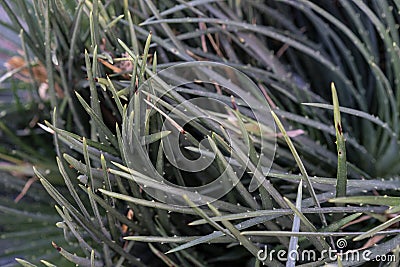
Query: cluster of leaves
(95,56)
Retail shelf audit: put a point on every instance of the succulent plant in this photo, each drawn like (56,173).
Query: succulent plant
(199,133)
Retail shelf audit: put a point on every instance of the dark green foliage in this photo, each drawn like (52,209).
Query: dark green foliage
(97,57)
